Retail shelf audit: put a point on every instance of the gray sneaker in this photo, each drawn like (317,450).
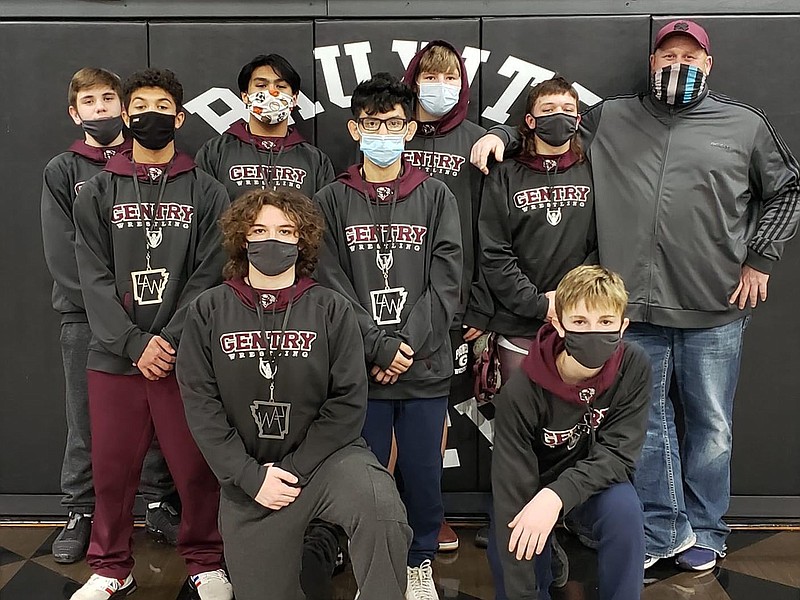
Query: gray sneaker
(73,540)
(163,523)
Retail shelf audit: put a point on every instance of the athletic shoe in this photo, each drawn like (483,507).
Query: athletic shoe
(649,560)
(105,588)
(212,585)
(448,540)
(163,522)
(482,537)
(71,544)
(697,559)
(420,582)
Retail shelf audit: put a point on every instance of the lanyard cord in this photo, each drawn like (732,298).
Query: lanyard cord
(272,356)
(384,258)
(266,174)
(152,238)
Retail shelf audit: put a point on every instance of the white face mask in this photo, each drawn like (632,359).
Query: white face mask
(438,99)
(270,107)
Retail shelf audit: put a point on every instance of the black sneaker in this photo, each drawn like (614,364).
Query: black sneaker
(482,537)
(163,523)
(71,544)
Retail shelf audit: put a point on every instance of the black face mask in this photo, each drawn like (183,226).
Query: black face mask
(153,130)
(272,257)
(556,129)
(104,131)
(591,348)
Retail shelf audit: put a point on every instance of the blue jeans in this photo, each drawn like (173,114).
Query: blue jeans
(613,517)
(685,489)
(418,427)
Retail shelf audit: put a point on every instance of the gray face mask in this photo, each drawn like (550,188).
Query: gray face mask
(592,348)
(272,257)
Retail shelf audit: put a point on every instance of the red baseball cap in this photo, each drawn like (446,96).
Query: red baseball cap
(685,27)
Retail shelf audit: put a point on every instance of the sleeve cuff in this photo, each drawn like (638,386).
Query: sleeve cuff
(567,492)
(758,262)
(385,356)
(136,344)
(476,319)
(253,478)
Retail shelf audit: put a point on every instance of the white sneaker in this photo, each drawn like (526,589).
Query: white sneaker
(649,560)
(104,588)
(420,583)
(212,585)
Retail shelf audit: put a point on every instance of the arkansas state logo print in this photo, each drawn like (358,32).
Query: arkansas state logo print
(387,305)
(272,419)
(148,286)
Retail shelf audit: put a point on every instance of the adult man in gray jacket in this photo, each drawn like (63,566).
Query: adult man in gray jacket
(696,197)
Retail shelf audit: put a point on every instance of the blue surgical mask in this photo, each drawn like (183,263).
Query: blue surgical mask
(438,99)
(382,149)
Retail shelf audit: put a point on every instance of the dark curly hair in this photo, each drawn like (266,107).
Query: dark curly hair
(549,87)
(380,95)
(242,213)
(157,78)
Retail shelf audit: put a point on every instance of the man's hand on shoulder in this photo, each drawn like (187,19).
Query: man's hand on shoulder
(489,143)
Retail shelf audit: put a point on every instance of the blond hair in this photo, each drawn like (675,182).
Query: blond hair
(90,77)
(439,59)
(596,286)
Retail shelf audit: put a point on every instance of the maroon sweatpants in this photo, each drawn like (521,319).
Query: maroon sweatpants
(124,411)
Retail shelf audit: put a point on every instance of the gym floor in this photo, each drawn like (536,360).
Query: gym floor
(763,565)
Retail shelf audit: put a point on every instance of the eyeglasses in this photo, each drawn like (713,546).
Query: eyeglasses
(373,124)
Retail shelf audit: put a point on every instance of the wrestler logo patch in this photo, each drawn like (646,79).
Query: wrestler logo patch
(148,286)
(554,216)
(272,419)
(268,300)
(387,305)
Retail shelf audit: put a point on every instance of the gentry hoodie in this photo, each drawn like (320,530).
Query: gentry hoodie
(320,396)
(576,440)
(126,302)
(441,148)
(424,279)
(63,178)
(237,158)
(537,223)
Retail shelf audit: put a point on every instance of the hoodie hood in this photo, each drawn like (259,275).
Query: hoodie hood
(537,163)
(99,155)
(241,131)
(540,367)
(458,113)
(410,178)
(278,300)
(122,164)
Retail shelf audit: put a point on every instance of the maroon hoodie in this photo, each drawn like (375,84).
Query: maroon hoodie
(576,440)
(243,161)
(128,302)
(64,176)
(319,399)
(442,148)
(424,278)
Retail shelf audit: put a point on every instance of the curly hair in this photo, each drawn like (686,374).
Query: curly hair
(242,213)
(156,78)
(549,87)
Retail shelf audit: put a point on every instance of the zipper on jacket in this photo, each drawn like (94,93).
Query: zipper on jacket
(655,218)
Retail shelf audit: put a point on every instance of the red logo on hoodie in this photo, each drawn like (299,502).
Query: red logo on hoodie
(257,175)
(402,236)
(572,436)
(435,162)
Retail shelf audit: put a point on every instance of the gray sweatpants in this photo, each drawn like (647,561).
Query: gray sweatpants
(263,548)
(76,471)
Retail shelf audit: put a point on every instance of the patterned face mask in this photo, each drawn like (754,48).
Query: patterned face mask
(678,84)
(270,107)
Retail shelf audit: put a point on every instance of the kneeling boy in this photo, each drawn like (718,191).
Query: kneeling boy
(272,375)
(569,426)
